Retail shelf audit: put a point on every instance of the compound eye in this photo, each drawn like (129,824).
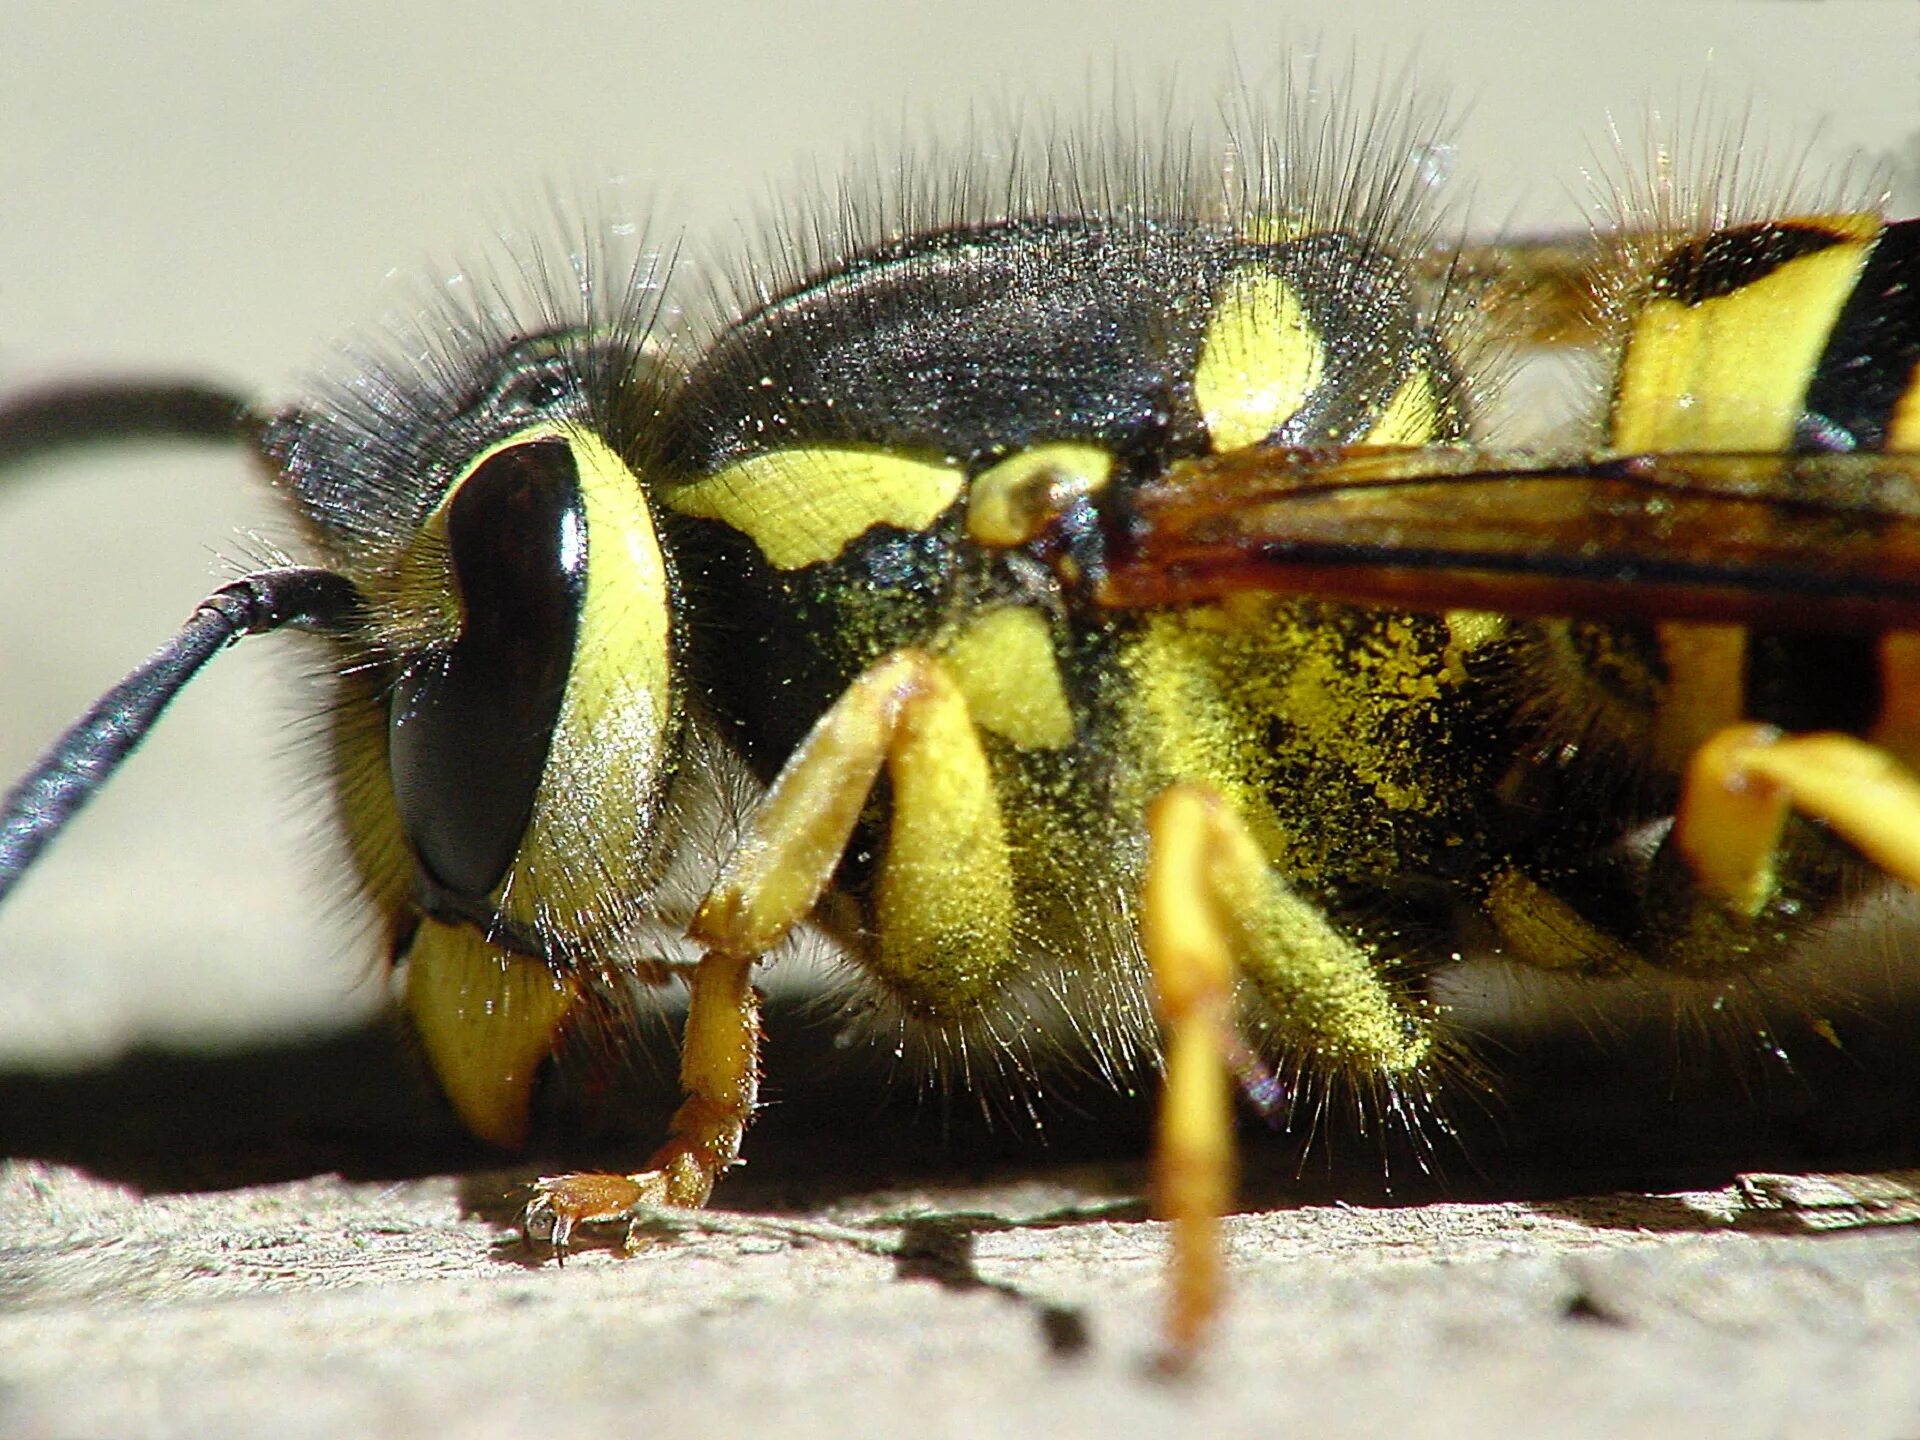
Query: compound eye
(471,720)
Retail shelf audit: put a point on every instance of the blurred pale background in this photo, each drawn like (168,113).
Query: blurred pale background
(226,188)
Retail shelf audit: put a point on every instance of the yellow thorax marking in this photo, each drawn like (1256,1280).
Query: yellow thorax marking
(1261,359)
(1003,663)
(1011,502)
(805,505)
(1411,417)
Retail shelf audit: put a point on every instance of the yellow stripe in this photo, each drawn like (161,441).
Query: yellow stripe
(1731,372)
(804,506)
(579,867)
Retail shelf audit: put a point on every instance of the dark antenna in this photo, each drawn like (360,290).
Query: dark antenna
(83,759)
(65,415)
(117,412)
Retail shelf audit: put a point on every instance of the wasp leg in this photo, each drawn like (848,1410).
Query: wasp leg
(720,1077)
(1744,781)
(1194,1157)
(946,868)
(944,898)
(1213,910)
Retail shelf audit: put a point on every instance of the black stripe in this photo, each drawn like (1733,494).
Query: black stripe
(1730,260)
(1872,358)
(1803,682)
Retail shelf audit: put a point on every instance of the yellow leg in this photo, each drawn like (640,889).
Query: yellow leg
(943,901)
(1194,1157)
(778,871)
(944,906)
(720,1077)
(1745,780)
(1213,912)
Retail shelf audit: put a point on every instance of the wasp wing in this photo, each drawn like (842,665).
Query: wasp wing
(1801,542)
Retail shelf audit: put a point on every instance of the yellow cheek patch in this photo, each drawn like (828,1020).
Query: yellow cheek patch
(804,506)
(1010,503)
(1261,359)
(1003,664)
(1731,372)
(1411,417)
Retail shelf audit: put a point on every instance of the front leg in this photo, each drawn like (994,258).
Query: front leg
(946,869)
(720,1077)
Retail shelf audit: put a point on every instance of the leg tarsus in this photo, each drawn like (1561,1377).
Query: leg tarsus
(720,1076)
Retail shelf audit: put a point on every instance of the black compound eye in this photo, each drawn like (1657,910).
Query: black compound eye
(471,721)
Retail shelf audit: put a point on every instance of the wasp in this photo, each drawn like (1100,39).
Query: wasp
(1093,600)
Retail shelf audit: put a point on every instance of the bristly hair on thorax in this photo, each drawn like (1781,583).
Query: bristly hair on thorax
(367,456)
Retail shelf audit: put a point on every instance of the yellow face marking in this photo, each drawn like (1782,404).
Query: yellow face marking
(1731,372)
(600,798)
(486,1021)
(582,863)
(1010,503)
(487,1018)
(805,505)
(582,860)
(1261,359)
(1003,663)
(1411,417)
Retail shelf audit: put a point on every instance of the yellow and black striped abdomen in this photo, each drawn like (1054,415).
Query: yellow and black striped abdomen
(1798,337)
(1799,334)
